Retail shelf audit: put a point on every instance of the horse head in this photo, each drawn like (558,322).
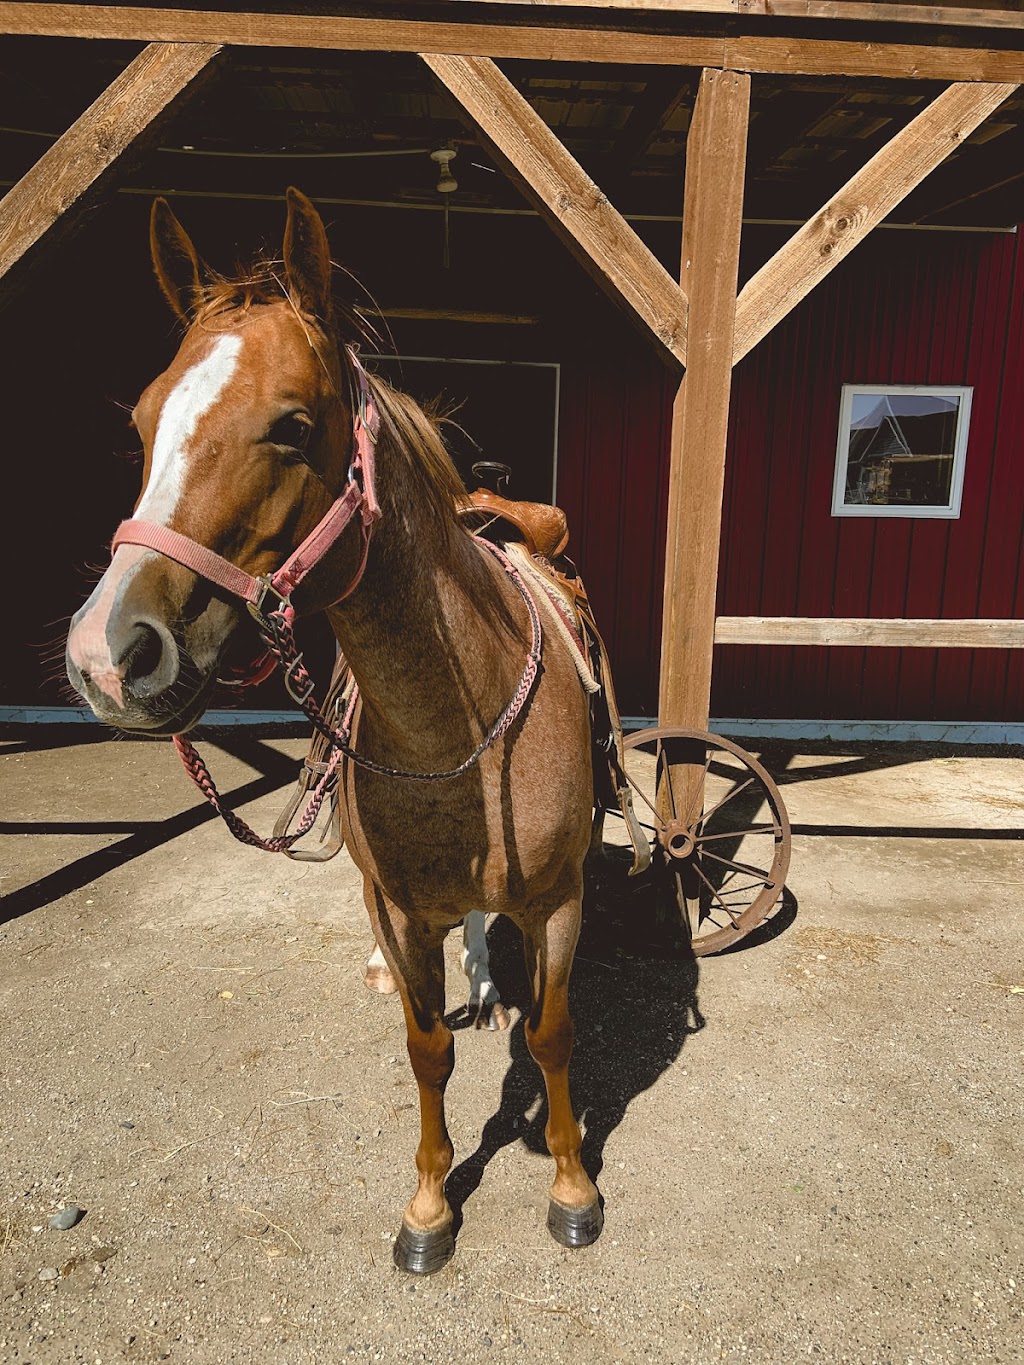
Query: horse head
(247,438)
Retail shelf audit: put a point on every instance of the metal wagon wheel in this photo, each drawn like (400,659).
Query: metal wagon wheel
(724,862)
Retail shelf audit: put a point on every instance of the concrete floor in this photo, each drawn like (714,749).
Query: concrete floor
(809,1149)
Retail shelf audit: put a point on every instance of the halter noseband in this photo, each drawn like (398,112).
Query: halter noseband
(359,496)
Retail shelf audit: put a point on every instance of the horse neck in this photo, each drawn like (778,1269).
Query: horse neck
(428,632)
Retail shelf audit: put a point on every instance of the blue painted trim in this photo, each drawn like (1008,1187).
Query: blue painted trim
(75,715)
(897,731)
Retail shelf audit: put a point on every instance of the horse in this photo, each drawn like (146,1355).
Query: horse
(466,784)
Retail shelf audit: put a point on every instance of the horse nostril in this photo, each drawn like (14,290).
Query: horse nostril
(150,661)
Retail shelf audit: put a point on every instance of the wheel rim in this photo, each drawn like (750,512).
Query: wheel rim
(722,865)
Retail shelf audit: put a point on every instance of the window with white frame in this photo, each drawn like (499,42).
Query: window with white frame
(901,450)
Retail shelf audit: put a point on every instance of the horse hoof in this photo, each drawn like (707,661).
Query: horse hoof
(423,1253)
(575,1227)
(493,1017)
(380,979)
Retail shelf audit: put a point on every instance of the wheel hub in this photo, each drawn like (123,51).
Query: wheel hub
(679,842)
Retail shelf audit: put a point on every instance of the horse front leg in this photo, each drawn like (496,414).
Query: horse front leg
(415,954)
(575,1217)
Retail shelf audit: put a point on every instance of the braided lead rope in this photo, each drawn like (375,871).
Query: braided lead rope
(300,686)
(281,642)
(245,834)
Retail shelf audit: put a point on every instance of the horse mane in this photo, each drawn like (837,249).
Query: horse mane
(412,431)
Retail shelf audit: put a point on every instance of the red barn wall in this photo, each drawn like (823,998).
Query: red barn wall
(906,308)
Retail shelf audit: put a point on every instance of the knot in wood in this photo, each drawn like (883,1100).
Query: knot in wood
(827,248)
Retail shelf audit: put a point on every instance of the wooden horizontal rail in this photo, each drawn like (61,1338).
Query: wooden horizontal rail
(874,11)
(781,56)
(926,633)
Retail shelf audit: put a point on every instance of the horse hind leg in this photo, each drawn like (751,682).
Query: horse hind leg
(485,1007)
(377,974)
(575,1215)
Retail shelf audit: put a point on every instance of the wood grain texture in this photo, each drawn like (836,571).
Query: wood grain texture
(847,218)
(712,217)
(923,633)
(985,16)
(593,229)
(803,56)
(85,155)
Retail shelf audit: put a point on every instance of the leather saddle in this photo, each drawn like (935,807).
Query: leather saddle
(542,528)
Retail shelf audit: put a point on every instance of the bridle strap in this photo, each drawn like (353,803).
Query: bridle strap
(359,496)
(183,550)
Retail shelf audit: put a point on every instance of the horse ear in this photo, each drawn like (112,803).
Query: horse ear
(174,260)
(307,256)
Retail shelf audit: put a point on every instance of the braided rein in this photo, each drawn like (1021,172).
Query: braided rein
(277,629)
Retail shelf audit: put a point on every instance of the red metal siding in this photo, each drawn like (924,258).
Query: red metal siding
(907,308)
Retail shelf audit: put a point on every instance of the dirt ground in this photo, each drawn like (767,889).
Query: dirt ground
(809,1149)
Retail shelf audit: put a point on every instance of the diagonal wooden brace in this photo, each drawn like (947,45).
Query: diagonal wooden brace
(593,229)
(78,164)
(829,237)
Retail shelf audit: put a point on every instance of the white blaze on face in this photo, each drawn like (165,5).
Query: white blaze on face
(194,394)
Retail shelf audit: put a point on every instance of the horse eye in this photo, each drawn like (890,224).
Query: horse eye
(292,431)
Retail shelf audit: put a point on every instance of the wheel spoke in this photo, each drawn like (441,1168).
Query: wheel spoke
(727,888)
(738,867)
(660,766)
(646,800)
(684,907)
(739,833)
(733,916)
(698,796)
(726,798)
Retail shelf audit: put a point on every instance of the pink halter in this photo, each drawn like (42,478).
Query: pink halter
(359,496)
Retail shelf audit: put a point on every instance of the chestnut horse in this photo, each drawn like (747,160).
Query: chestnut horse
(249,437)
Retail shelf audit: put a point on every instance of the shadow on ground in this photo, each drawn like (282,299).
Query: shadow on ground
(634,1003)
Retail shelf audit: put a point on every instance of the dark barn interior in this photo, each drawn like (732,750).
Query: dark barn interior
(474,274)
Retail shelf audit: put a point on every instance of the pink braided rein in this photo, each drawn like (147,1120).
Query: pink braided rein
(280,640)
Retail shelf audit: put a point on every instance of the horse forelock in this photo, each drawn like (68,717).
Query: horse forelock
(411,433)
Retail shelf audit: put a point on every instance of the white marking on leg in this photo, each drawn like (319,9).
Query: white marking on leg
(376,960)
(377,974)
(476,961)
(193,395)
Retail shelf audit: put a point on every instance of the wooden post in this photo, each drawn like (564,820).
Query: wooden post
(78,163)
(712,214)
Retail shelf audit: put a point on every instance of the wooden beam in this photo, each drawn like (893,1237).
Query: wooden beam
(712,216)
(456,315)
(77,165)
(804,56)
(593,229)
(873,11)
(930,633)
(860,205)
